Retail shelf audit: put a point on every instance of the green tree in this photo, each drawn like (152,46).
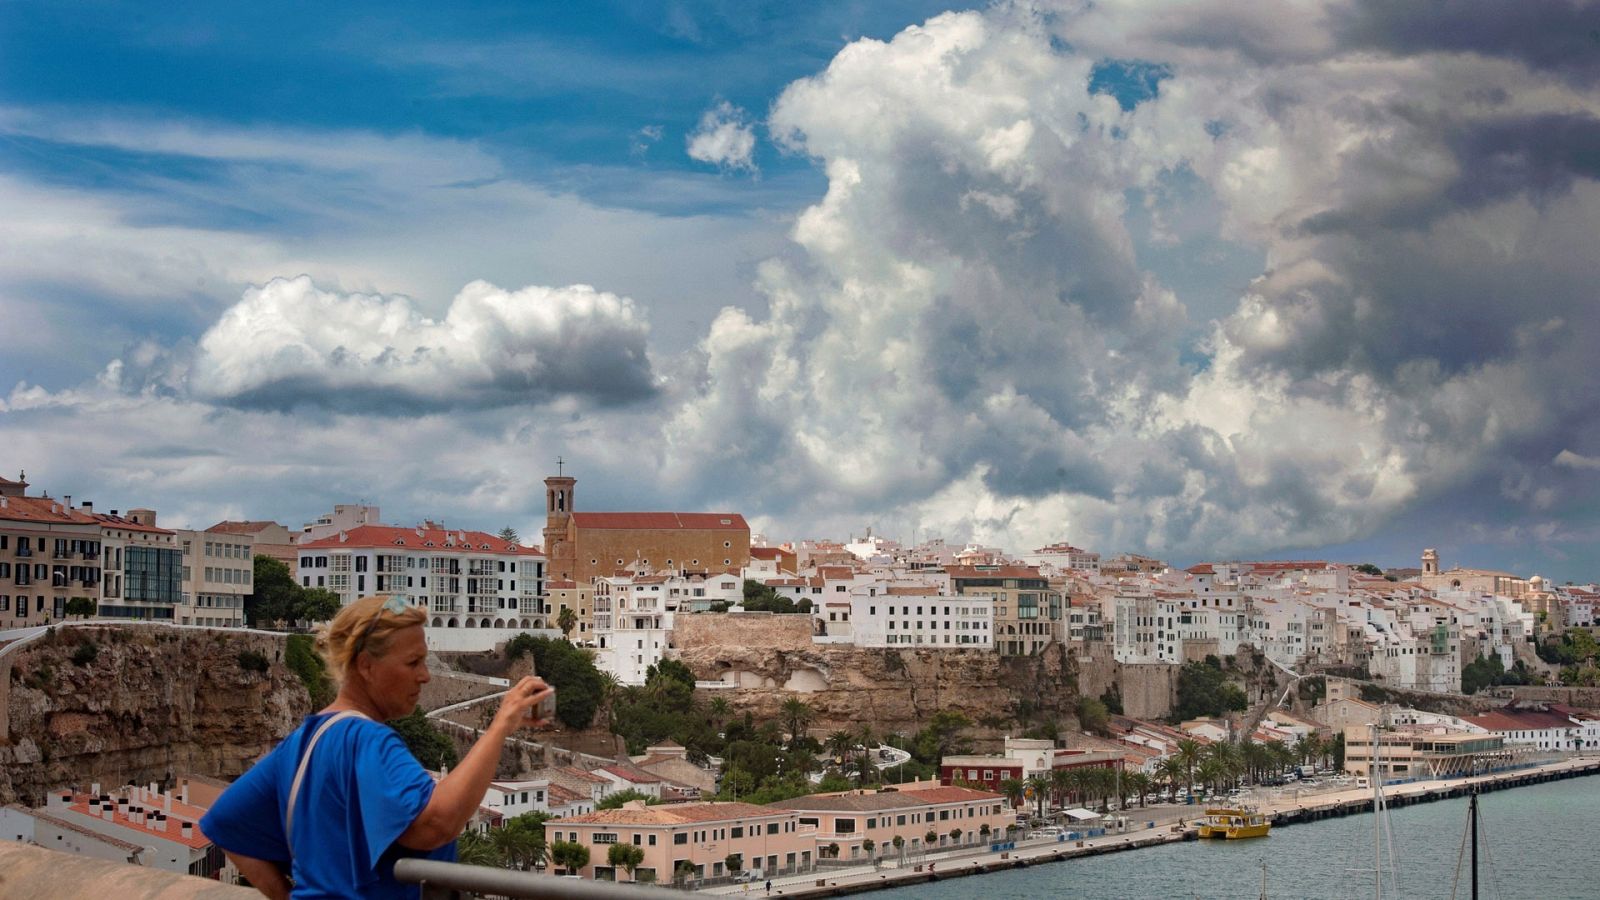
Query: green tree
(798,714)
(509,535)
(474,849)
(626,857)
(82,607)
(518,848)
(1014,791)
(569,855)
(1368,569)
(272,593)
(301,657)
(734,862)
(1188,753)
(1203,690)
(425,741)
(571,670)
(315,605)
(566,620)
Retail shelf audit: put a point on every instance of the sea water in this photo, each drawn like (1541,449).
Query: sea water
(1536,842)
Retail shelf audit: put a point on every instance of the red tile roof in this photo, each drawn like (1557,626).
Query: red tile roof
(637,776)
(674,814)
(42,509)
(377,536)
(126,524)
(1520,720)
(766,553)
(244,527)
(661,521)
(181,812)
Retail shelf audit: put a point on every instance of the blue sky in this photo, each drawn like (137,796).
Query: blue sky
(1184,280)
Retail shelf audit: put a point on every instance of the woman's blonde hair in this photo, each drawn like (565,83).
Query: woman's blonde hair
(367,624)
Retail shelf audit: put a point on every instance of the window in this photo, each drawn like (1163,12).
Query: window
(772,828)
(605,837)
(681,837)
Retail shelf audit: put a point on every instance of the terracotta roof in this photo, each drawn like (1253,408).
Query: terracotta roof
(629,773)
(433,539)
(584,775)
(1520,720)
(43,509)
(180,812)
(675,814)
(560,796)
(661,521)
(871,801)
(245,527)
(126,846)
(766,553)
(126,524)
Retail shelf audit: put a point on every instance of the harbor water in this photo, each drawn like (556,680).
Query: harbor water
(1537,842)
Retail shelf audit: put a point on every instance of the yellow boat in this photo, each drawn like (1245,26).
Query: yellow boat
(1234,823)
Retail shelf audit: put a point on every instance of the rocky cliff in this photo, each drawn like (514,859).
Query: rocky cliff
(144,704)
(769,659)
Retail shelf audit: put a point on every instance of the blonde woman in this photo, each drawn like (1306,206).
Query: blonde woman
(341,798)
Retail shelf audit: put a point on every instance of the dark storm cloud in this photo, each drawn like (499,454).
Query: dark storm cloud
(1561,37)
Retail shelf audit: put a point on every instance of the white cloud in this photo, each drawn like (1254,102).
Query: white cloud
(288,343)
(724,138)
(1576,461)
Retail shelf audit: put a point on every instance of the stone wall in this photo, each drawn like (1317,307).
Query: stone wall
(1148,689)
(154,702)
(1586,698)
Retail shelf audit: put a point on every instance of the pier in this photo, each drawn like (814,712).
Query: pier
(1283,813)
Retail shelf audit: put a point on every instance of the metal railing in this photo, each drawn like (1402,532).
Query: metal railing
(441,880)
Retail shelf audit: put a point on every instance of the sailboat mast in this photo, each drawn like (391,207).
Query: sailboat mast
(1377,818)
(1472,817)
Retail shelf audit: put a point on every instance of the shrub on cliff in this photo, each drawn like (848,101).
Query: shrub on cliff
(85,654)
(579,687)
(251,661)
(300,655)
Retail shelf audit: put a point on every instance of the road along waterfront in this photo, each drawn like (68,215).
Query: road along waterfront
(1321,860)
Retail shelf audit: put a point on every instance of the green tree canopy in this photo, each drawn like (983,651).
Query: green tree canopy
(571,670)
(1204,690)
(315,605)
(427,743)
(616,799)
(272,593)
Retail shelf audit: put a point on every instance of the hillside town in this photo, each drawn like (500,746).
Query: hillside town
(1222,679)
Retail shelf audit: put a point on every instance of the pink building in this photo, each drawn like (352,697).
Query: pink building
(908,811)
(704,836)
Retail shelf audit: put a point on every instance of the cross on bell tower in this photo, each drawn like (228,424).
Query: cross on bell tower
(558,493)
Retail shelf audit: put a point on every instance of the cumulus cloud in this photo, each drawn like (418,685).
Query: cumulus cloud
(288,343)
(977,341)
(724,138)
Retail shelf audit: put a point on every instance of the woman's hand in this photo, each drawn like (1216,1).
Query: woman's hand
(517,707)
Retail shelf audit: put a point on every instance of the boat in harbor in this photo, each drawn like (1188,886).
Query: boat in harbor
(1234,823)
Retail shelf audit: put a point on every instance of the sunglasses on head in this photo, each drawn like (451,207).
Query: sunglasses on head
(395,605)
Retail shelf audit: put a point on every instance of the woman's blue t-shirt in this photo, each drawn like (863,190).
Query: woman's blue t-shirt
(362,789)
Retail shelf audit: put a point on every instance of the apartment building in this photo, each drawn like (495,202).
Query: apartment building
(694,837)
(477,589)
(143,567)
(218,573)
(1064,557)
(886,614)
(50,552)
(1028,613)
(954,816)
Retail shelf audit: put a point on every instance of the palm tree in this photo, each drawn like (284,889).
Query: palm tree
(516,847)
(719,711)
(1014,790)
(1137,783)
(566,620)
(798,714)
(473,849)
(839,744)
(1188,751)
(1062,781)
(1171,771)
(1226,756)
(1039,786)
(1211,772)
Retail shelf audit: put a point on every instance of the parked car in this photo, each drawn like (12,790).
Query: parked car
(1310,782)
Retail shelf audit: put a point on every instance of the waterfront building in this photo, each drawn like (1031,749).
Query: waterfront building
(477,588)
(699,838)
(956,816)
(1409,752)
(1551,730)
(1022,759)
(134,824)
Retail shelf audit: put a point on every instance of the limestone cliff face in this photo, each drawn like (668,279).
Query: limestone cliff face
(771,659)
(152,703)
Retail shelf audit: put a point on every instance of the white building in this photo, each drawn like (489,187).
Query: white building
(912,615)
(633,618)
(345,517)
(1064,558)
(478,589)
(1146,630)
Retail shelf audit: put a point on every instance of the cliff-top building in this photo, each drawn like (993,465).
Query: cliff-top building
(582,546)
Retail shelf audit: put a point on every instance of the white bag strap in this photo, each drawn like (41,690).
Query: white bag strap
(305,762)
